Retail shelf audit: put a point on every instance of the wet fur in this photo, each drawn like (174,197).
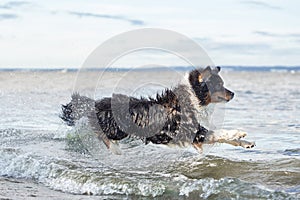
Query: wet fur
(178,108)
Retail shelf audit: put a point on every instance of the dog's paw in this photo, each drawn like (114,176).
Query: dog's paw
(246,144)
(240,134)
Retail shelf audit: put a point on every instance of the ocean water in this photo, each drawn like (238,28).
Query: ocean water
(41,157)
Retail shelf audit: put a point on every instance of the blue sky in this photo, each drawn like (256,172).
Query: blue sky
(233,32)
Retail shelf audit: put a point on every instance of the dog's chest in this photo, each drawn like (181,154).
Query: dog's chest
(188,114)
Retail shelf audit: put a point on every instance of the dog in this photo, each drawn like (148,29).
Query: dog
(172,118)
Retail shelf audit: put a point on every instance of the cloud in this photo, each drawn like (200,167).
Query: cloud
(14,4)
(242,47)
(234,47)
(269,34)
(261,4)
(245,48)
(116,17)
(8,16)
(264,33)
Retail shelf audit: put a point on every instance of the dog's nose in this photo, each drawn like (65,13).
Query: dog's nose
(230,94)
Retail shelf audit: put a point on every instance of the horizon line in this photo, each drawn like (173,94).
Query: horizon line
(179,68)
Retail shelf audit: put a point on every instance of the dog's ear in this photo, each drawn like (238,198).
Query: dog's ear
(218,69)
(207,70)
(205,74)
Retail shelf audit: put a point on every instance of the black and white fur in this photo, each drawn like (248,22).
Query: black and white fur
(170,118)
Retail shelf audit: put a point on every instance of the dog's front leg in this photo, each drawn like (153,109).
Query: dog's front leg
(232,137)
(241,143)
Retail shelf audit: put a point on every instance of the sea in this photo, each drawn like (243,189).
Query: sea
(43,158)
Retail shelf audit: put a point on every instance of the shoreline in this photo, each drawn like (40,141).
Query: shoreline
(12,188)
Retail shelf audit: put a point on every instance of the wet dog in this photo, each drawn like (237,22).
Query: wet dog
(172,118)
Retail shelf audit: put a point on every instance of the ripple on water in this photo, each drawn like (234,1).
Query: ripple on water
(210,177)
(292,152)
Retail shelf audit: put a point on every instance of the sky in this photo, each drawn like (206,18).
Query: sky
(62,34)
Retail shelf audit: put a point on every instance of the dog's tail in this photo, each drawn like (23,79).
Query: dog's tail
(82,106)
(79,107)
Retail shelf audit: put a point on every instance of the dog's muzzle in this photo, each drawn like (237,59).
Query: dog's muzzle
(229,95)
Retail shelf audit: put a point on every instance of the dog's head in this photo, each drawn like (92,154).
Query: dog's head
(208,86)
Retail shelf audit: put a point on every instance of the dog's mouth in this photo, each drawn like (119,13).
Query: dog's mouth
(223,99)
(219,97)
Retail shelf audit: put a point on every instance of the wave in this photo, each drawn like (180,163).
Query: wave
(188,177)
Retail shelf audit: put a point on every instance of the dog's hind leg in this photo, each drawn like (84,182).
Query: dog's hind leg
(111,145)
(198,147)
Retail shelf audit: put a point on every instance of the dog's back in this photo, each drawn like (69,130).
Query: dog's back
(143,115)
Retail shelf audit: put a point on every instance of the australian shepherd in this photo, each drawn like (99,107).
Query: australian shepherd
(172,118)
